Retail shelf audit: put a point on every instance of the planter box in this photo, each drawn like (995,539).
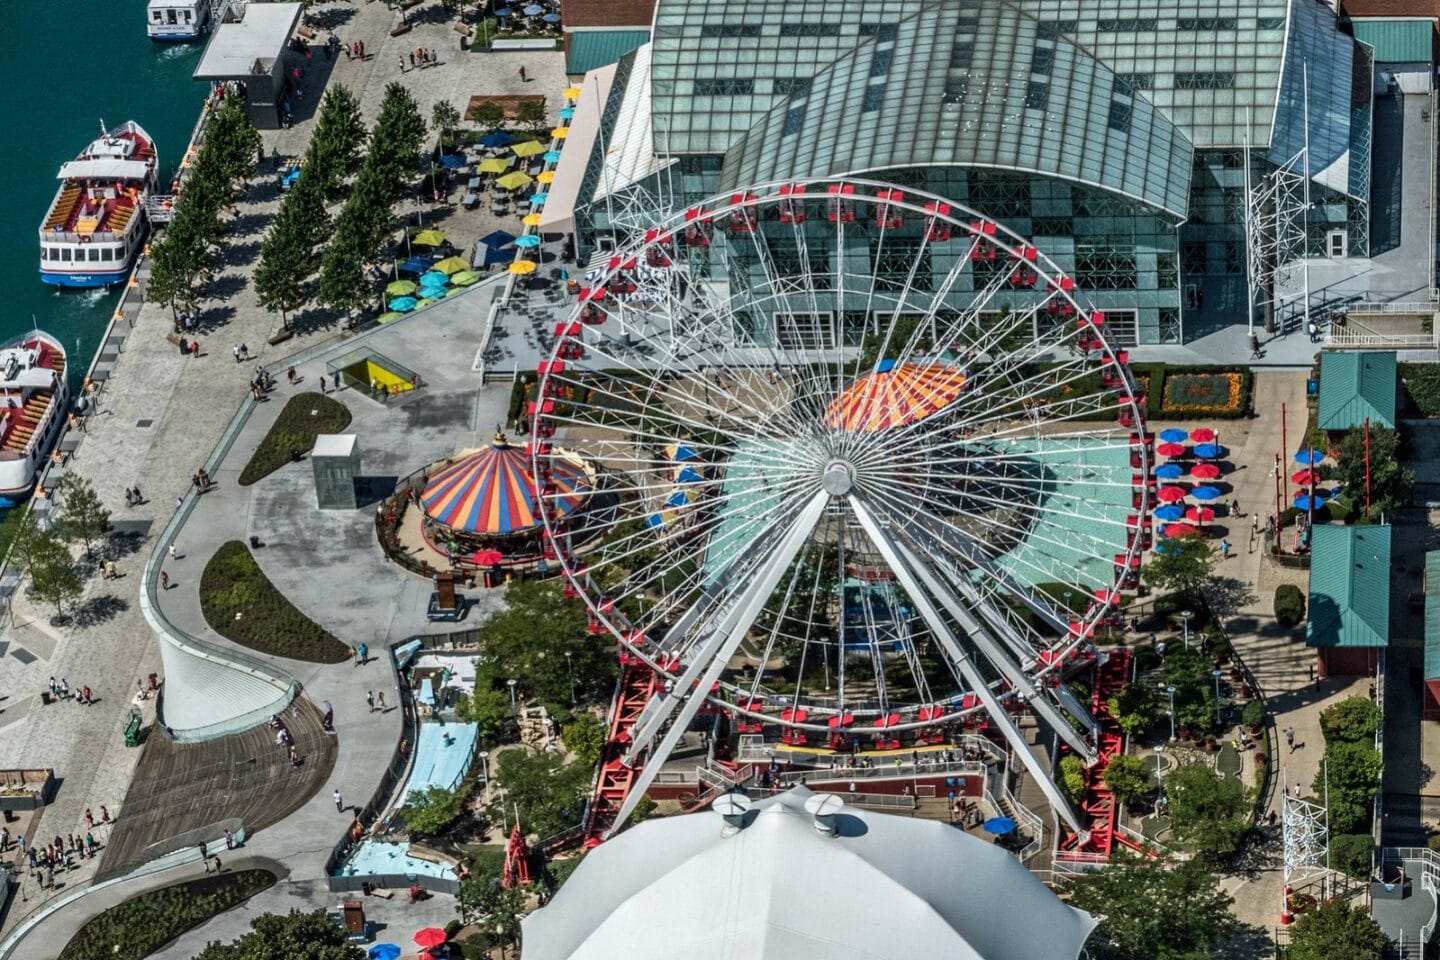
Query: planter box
(538,43)
(35,788)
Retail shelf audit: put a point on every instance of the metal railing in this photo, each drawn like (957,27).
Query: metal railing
(906,770)
(1420,307)
(1429,882)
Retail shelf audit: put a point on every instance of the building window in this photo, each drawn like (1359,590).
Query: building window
(1192,254)
(874,96)
(794,120)
(795,86)
(1166,276)
(809,29)
(716,88)
(1126,24)
(897,258)
(1054,28)
(730,30)
(1169,326)
(1205,23)
(1127,83)
(881,31)
(880,62)
(1210,80)
(1119,116)
(1036,96)
(805,331)
(1041,60)
(960,56)
(1270,23)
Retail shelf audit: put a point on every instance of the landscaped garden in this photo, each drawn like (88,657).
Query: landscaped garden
(143,924)
(1203,394)
(305,417)
(241,604)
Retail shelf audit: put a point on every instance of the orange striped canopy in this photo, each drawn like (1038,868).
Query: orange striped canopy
(895,396)
(493,491)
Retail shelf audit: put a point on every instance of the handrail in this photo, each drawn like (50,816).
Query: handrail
(1272,737)
(907,770)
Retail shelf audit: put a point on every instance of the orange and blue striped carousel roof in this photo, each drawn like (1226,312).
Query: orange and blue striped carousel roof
(894,395)
(492,491)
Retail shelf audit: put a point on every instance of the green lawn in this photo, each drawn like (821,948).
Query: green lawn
(242,605)
(141,925)
(305,417)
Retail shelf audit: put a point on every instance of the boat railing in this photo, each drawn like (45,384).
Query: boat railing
(63,236)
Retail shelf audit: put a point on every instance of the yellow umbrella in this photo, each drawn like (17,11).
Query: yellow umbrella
(428,238)
(572,93)
(560,133)
(522,266)
(451,265)
(528,149)
(493,165)
(514,180)
(546,176)
(531,219)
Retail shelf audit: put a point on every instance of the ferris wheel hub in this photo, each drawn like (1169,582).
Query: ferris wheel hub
(837,478)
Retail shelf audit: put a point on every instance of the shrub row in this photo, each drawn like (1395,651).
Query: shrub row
(241,604)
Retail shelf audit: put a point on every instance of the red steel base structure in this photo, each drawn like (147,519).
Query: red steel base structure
(637,686)
(1098,808)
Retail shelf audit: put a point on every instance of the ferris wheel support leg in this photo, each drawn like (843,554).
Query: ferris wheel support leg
(717,653)
(963,663)
(1038,699)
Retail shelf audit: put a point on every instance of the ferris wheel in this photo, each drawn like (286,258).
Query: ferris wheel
(861,465)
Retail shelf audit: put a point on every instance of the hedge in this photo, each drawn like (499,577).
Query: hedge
(305,417)
(1289,604)
(242,605)
(1422,386)
(143,924)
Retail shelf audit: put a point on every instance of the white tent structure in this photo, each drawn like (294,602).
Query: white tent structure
(800,876)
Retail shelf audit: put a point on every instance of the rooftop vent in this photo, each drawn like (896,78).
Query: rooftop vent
(732,808)
(824,808)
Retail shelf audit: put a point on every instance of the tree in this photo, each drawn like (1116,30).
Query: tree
(179,260)
(396,138)
(1352,854)
(549,793)
(1335,929)
(1289,604)
(444,118)
(1183,566)
(531,113)
(1352,720)
(1207,810)
(644,810)
(334,150)
(52,571)
(489,115)
(1352,775)
(287,259)
(1390,481)
(1072,777)
(488,708)
(285,936)
(484,901)
(82,515)
(529,641)
(1154,910)
(342,272)
(584,737)
(430,812)
(1126,778)
(1134,708)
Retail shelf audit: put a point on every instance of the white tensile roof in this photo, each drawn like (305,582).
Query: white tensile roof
(778,888)
(104,168)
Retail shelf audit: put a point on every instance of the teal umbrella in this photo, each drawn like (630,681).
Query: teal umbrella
(433,277)
(529,240)
(551,156)
(402,304)
(540,198)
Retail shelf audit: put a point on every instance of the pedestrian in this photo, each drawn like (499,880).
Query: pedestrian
(164,580)
(370,699)
(362,655)
(1255,526)
(1160,649)
(1297,791)
(523,78)
(1235,508)
(217,865)
(89,819)
(412,60)
(1254,347)
(1312,330)
(229,840)
(294,757)
(104,814)
(339,804)
(402,64)
(290,375)
(236,350)
(1290,738)
(380,701)
(139,499)
(173,554)
(1224,548)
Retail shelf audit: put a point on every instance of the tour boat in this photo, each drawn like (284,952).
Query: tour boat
(96,223)
(177,20)
(34,402)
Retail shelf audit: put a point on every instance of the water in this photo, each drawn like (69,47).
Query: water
(65,67)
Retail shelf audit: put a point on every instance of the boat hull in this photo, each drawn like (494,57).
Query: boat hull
(177,37)
(83,281)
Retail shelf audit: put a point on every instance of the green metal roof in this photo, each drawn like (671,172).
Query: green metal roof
(1354,386)
(597,48)
(1432,615)
(1397,39)
(1349,587)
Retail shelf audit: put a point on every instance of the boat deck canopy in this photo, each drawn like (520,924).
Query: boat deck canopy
(104,169)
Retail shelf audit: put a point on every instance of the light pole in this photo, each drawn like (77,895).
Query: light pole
(514,709)
(1185,616)
(1216,674)
(1159,783)
(485,766)
(1170,689)
(1068,609)
(570,669)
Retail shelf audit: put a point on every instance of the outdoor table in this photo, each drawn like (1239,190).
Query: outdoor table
(470,200)
(473,183)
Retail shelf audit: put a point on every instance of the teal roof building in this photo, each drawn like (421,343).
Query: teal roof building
(1349,587)
(1356,387)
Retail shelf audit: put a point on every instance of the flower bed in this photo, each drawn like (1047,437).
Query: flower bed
(305,417)
(143,924)
(1210,394)
(241,604)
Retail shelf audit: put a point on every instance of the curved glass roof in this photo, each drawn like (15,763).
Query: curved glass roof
(978,83)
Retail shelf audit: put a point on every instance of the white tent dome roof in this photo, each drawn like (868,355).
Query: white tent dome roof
(883,887)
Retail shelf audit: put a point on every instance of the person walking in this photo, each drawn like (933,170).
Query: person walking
(370,699)
(380,701)
(1255,347)
(236,351)
(523,78)
(164,580)
(173,554)
(1290,742)
(1224,548)
(339,804)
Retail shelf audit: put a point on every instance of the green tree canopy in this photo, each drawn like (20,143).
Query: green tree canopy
(1353,771)
(585,737)
(1390,481)
(1208,811)
(179,261)
(528,641)
(1184,567)
(288,936)
(1154,910)
(1333,930)
(287,259)
(1126,778)
(396,139)
(549,793)
(82,516)
(488,708)
(531,113)
(1352,720)
(52,571)
(444,118)
(489,115)
(432,811)
(1135,708)
(334,150)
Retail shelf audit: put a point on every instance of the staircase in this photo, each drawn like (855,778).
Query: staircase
(64,206)
(160,208)
(637,686)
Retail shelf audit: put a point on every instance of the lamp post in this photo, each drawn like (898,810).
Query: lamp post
(514,709)
(1170,689)
(1159,783)
(570,669)
(1185,616)
(485,766)
(1068,609)
(1216,675)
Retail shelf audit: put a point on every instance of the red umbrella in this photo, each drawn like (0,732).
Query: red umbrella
(1305,477)
(1181,530)
(430,937)
(1171,449)
(1203,435)
(1170,494)
(1107,595)
(1200,514)
(487,557)
(1205,471)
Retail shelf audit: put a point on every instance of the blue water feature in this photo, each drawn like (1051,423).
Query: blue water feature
(373,858)
(442,756)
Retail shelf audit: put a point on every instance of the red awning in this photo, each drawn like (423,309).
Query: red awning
(1205,471)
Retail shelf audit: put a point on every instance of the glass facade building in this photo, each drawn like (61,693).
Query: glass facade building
(1113,134)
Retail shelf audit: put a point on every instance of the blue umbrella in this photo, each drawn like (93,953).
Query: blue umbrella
(540,197)
(452,161)
(497,239)
(1302,502)
(434,277)
(1309,457)
(677,499)
(551,18)
(533,10)
(1207,451)
(384,951)
(1169,471)
(402,304)
(999,825)
(529,240)
(551,156)
(1169,511)
(417,265)
(1174,435)
(496,138)
(685,453)
(503,12)
(1169,546)
(1205,493)
(567,113)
